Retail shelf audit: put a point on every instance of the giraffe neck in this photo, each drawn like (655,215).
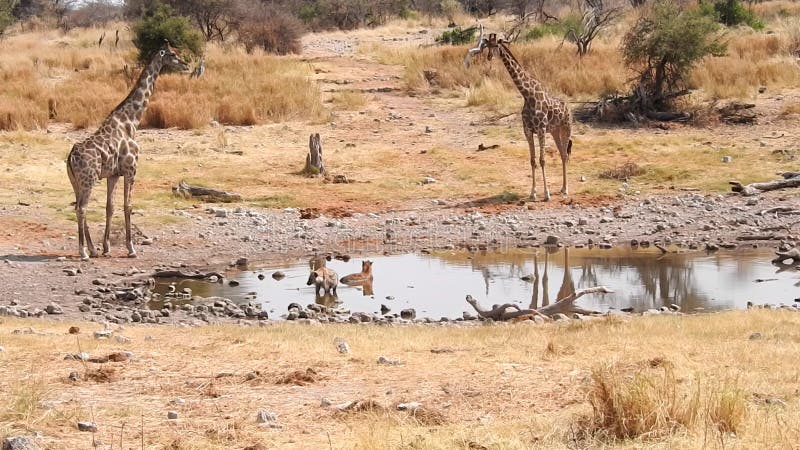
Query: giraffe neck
(526,84)
(129,113)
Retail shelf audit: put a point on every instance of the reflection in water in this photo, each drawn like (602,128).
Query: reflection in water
(327,300)
(435,285)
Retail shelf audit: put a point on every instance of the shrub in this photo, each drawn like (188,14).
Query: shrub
(561,28)
(6,15)
(457,36)
(159,23)
(732,13)
(664,44)
(271,30)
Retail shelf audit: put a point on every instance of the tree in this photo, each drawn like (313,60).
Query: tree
(662,47)
(272,30)
(216,19)
(6,15)
(160,23)
(596,17)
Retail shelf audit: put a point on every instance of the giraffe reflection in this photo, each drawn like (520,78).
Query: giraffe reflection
(567,283)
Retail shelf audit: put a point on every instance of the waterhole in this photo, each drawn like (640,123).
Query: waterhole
(435,285)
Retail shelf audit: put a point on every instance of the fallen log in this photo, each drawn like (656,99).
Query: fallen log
(565,305)
(189,276)
(790,180)
(185,190)
(779,210)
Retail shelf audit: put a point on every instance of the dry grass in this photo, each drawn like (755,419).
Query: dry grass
(45,67)
(349,100)
(496,390)
(623,172)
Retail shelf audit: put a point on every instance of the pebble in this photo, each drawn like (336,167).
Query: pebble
(408,314)
(385,360)
(54,309)
(267,417)
(87,426)
(410,406)
(278,275)
(172,415)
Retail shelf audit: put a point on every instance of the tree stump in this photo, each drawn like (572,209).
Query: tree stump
(314,165)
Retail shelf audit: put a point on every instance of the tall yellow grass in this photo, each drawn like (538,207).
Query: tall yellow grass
(85,83)
(754,59)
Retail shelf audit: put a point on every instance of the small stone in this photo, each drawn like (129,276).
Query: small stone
(241,262)
(551,240)
(72,272)
(410,406)
(342,346)
(74,330)
(172,415)
(264,416)
(74,376)
(325,402)
(103,334)
(87,426)
(727,159)
(385,360)
(558,317)
(755,336)
(408,314)
(147,241)
(261,276)
(385,309)
(54,309)
(122,339)
(233,283)
(674,307)
(278,275)
(177,401)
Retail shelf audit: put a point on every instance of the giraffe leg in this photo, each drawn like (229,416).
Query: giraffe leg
(564,144)
(80,214)
(128,187)
(532,149)
(541,161)
(112,184)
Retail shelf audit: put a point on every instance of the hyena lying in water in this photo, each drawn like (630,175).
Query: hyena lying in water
(325,279)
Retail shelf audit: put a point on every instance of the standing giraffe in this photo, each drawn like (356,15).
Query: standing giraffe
(112,152)
(541,113)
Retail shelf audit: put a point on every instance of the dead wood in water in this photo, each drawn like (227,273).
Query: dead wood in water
(790,180)
(185,190)
(190,276)
(564,305)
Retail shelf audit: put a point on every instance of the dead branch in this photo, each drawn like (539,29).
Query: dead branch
(793,254)
(188,276)
(186,190)
(478,48)
(790,180)
(511,311)
(779,210)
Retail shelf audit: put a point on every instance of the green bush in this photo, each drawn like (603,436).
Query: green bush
(561,28)
(664,44)
(732,13)
(160,22)
(6,16)
(457,36)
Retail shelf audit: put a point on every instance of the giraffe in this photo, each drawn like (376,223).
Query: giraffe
(541,113)
(112,152)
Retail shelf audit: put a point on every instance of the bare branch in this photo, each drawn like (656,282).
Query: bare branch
(478,48)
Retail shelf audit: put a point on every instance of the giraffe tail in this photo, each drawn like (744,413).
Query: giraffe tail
(569,148)
(71,173)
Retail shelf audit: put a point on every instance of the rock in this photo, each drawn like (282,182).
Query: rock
(103,334)
(755,336)
(551,240)
(122,339)
(54,309)
(674,307)
(146,241)
(72,272)
(268,418)
(325,402)
(278,275)
(727,159)
(74,376)
(74,330)
(410,406)
(341,346)
(385,309)
(87,426)
(261,276)
(582,222)
(241,262)
(177,401)
(385,360)
(558,317)
(233,283)
(20,443)
(172,415)
(408,314)
(2,349)
(468,316)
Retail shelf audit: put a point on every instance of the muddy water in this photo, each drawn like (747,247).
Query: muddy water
(435,285)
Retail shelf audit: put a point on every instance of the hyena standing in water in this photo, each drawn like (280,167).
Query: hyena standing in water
(325,279)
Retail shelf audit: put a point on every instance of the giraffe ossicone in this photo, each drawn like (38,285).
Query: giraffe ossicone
(112,152)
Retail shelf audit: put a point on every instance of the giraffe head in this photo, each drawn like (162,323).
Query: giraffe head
(492,43)
(170,59)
